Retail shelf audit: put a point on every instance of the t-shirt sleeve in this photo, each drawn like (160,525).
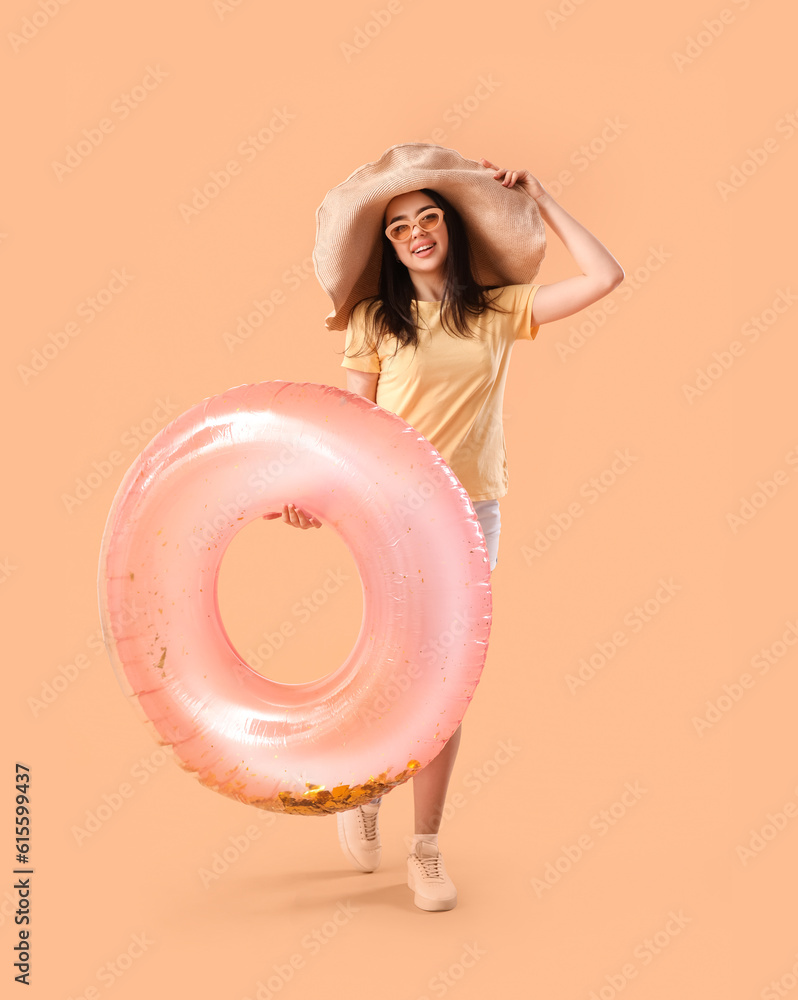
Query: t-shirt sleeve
(369,360)
(525,330)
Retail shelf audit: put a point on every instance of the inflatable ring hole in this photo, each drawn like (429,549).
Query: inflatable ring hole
(290,599)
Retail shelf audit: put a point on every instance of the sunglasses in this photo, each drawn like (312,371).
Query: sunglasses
(399,232)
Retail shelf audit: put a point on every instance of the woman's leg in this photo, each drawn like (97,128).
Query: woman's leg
(430,785)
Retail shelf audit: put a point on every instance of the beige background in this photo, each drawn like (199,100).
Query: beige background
(669,101)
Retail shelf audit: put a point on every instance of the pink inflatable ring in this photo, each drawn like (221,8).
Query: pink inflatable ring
(368,725)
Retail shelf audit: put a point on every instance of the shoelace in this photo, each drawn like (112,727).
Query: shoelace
(431,867)
(369,824)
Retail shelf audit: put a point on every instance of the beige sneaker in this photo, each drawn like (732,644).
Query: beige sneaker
(359,836)
(426,875)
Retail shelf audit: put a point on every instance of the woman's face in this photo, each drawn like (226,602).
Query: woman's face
(405,208)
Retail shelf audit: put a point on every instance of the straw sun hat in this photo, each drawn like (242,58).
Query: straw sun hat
(506,235)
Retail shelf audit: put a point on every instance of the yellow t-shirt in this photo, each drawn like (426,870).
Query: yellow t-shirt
(452,390)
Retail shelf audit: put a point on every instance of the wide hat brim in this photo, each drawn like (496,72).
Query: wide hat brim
(506,235)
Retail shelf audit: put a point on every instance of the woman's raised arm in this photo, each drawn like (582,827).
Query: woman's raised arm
(601,272)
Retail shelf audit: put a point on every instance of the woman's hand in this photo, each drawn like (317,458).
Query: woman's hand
(293,516)
(522,178)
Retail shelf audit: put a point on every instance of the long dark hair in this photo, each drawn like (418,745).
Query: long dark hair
(391,312)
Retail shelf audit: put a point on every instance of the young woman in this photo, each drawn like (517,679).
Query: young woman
(433,346)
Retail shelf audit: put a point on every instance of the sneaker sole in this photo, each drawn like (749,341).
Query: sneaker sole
(424,903)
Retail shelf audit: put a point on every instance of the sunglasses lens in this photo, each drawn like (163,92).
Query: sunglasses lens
(401,231)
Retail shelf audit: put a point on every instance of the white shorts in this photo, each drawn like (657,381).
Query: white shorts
(490,520)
